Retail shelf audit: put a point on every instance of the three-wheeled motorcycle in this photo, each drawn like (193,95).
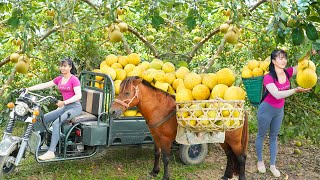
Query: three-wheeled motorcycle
(82,136)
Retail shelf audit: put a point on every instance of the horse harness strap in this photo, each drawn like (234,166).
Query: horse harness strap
(127,105)
(163,120)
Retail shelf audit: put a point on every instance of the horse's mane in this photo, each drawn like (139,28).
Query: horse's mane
(129,80)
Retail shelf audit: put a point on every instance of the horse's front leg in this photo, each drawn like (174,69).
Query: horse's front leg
(242,163)
(228,173)
(156,168)
(165,159)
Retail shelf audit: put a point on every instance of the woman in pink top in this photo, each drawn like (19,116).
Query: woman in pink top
(271,109)
(69,86)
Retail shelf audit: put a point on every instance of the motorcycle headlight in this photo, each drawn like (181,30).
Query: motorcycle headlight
(21,109)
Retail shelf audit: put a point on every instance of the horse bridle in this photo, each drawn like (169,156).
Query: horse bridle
(127,105)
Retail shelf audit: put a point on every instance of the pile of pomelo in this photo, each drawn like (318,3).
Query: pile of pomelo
(255,68)
(181,82)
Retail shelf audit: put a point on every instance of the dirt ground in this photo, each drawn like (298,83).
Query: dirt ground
(304,166)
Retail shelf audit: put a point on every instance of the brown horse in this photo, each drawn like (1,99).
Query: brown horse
(159,110)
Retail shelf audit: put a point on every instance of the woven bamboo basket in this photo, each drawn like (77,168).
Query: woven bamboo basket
(210,115)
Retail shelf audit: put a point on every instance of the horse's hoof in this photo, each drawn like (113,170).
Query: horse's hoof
(242,177)
(153,174)
(165,178)
(224,178)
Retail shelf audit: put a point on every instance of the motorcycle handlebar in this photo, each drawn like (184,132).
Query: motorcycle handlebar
(53,99)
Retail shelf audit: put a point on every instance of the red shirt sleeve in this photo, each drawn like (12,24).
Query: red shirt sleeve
(290,71)
(267,79)
(75,81)
(57,80)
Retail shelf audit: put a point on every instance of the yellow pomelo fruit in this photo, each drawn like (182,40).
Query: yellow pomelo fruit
(129,67)
(130,112)
(148,76)
(115,36)
(264,65)
(145,65)
(231,37)
(210,80)
(97,85)
(191,80)
(181,72)
(135,73)
(183,112)
(123,60)
(236,123)
(134,58)
(22,67)
(161,85)
(253,64)
(116,66)
(110,59)
(306,78)
(14,57)
(257,72)
(111,72)
(104,64)
(234,93)
(246,73)
(306,64)
(138,114)
(176,82)
(212,114)
(168,67)
(171,90)
(218,91)
(120,74)
(180,87)
(226,76)
(218,123)
(117,86)
(226,109)
(192,122)
(184,95)
(200,92)
(156,64)
(224,28)
(24,58)
(236,114)
(196,110)
(169,77)
(159,75)
(98,78)
(113,27)
(204,120)
(123,27)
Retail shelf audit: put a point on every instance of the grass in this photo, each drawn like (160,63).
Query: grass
(114,163)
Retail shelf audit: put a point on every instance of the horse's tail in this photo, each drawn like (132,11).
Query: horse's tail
(245,133)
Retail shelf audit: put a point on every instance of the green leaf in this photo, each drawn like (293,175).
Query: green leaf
(190,22)
(313,18)
(316,45)
(13,21)
(157,21)
(317,89)
(297,36)
(311,32)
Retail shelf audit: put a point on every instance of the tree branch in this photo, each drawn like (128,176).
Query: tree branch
(10,79)
(257,4)
(91,4)
(174,25)
(144,40)
(172,54)
(197,47)
(54,29)
(126,46)
(214,57)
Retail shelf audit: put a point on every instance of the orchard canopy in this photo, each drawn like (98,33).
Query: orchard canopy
(203,35)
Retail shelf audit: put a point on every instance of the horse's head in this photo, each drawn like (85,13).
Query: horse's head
(128,96)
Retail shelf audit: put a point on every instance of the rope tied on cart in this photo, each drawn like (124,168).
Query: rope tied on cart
(123,102)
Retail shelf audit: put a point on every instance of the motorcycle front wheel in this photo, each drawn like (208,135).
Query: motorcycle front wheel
(6,162)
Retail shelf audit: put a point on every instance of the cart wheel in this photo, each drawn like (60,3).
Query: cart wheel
(193,154)
(6,162)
